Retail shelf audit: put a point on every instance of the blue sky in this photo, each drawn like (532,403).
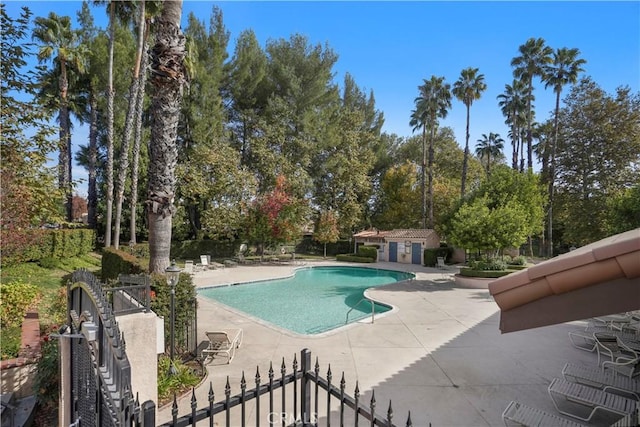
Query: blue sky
(390,47)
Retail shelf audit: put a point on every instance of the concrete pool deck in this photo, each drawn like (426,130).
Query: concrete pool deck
(438,354)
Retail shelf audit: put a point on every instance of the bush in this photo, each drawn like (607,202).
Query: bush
(488,265)
(353,258)
(47,377)
(16,299)
(470,272)
(115,262)
(430,255)
(368,252)
(10,341)
(185,295)
(519,260)
(168,384)
(309,246)
(192,249)
(35,244)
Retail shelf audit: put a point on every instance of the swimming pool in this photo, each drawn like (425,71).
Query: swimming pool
(312,301)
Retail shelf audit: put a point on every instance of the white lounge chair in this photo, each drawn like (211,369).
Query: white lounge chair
(605,380)
(441,263)
(223,341)
(588,400)
(188,267)
(523,415)
(611,346)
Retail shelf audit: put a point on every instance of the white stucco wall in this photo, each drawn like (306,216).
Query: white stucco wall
(140,334)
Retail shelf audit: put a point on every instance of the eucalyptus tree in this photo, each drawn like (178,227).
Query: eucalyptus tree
(57,39)
(468,88)
(563,71)
(168,77)
(534,56)
(432,103)
(490,146)
(513,104)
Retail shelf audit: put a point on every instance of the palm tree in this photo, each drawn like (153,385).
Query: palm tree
(57,38)
(489,146)
(513,105)
(168,77)
(433,102)
(534,55)
(564,70)
(467,89)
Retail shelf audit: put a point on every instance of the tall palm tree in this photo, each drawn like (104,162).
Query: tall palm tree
(467,89)
(489,146)
(433,102)
(168,77)
(563,71)
(534,55)
(513,105)
(57,38)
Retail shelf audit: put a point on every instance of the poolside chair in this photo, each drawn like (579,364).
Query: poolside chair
(523,415)
(584,340)
(602,379)
(587,400)
(611,346)
(188,267)
(223,341)
(441,263)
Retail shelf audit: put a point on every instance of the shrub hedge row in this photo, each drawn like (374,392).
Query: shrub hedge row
(116,262)
(35,244)
(368,252)
(484,273)
(353,258)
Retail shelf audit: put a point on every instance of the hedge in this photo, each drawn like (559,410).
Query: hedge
(21,246)
(311,247)
(430,255)
(116,262)
(353,258)
(469,272)
(192,249)
(368,252)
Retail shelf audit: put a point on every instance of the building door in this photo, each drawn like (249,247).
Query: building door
(393,251)
(416,253)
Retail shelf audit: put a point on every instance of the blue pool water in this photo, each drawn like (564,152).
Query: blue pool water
(312,301)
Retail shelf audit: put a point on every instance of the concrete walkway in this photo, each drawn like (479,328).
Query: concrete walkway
(438,354)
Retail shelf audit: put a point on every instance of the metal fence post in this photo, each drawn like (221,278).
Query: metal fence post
(305,387)
(148,414)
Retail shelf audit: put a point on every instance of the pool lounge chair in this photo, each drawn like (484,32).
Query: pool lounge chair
(224,341)
(613,347)
(603,379)
(584,400)
(583,339)
(523,415)
(440,263)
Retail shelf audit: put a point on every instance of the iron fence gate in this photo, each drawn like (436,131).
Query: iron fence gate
(95,374)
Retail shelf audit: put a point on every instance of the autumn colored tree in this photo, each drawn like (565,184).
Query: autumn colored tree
(326,229)
(275,217)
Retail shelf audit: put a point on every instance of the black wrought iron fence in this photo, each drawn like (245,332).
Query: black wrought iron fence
(288,402)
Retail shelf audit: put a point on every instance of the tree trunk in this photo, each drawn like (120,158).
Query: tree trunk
(465,161)
(110,119)
(136,147)
(64,159)
(514,139)
(424,176)
(430,168)
(92,190)
(552,175)
(529,120)
(167,76)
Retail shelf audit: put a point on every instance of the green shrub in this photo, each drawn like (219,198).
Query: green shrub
(16,298)
(47,377)
(115,262)
(48,262)
(34,244)
(170,384)
(185,295)
(492,264)
(353,258)
(519,260)
(311,247)
(10,341)
(431,255)
(368,252)
(192,249)
(470,272)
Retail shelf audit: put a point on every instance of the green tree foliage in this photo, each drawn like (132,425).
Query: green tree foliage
(597,158)
(624,210)
(501,213)
(490,146)
(29,195)
(400,198)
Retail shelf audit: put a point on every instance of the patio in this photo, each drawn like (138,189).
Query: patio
(438,354)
